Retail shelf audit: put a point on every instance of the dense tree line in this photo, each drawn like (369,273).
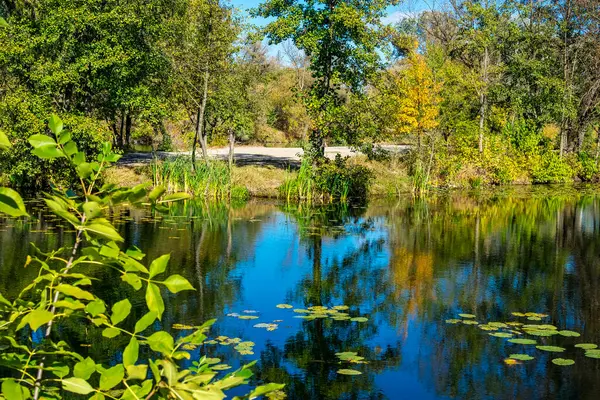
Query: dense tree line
(498,91)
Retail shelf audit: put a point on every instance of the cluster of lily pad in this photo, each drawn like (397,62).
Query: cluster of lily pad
(243,348)
(510,329)
(246,314)
(336,313)
(352,358)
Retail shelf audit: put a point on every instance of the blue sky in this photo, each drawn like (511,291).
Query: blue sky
(395,13)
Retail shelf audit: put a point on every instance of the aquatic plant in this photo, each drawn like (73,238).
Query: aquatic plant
(44,366)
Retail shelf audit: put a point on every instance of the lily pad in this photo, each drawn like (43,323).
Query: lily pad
(534,318)
(341,308)
(498,324)
(220,367)
(586,346)
(522,341)
(511,361)
(359,319)
(518,314)
(592,353)
(470,322)
(501,334)
(301,311)
(247,317)
(348,372)
(488,328)
(569,333)
(555,349)
(466,315)
(563,361)
(453,321)
(284,306)
(540,332)
(521,357)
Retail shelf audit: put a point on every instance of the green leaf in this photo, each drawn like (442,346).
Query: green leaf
(70,148)
(145,322)
(176,283)
(133,280)
(586,346)
(156,193)
(112,377)
(569,333)
(522,341)
(4,142)
(4,301)
(84,170)
(563,361)
(265,389)
(175,197)
(92,209)
(138,372)
(84,369)
(521,357)
(77,385)
(131,352)
(348,372)
(47,152)
(551,348)
(159,265)
(41,140)
(13,391)
(161,342)
(11,203)
(55,124)
(97,396)
(64,137)
(154,300)
(37,318)
(120,311)
(79,158)
(104,231)
(59,369)
(111,333)
(95,308)
(74,291)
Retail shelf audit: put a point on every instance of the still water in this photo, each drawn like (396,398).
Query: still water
(407,265)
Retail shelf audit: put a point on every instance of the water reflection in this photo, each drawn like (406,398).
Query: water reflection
(407,265)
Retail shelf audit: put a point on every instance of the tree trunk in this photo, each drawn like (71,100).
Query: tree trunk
(200,131)
(128,130)
(483,99)
(231,148)
(122,130)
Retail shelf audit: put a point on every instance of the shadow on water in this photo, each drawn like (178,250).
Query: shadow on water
(407,265)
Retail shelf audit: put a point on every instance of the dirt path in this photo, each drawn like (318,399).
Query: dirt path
(250,155)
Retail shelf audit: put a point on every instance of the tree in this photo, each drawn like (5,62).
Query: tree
(204,35)
(416,97)
(341,39)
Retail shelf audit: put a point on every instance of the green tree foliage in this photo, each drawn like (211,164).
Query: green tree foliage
(341,39)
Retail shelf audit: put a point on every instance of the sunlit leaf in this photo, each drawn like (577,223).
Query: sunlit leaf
(359,319)
(154,300)
(112,377)
(265,389)
(284,306)
(77,385)
(162,342)
(4,142)
(348,372)
(555,349)
(521,357)
(159,265)
(84,369)
(501,334)
(145,322)
(74,291)
(177,283)
(55,124)
(11,203)
(12,390)
(466,315)
(131,352)
(586,346)
(522,341)
(569,333)
(120,311)
(562,361)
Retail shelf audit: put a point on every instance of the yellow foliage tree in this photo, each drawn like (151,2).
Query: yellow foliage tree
(416,96)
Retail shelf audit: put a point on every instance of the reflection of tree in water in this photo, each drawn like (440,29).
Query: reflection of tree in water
(307,363)
(492,255)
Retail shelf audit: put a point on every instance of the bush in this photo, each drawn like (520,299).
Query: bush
(586,167)
(328,180)
(549,167)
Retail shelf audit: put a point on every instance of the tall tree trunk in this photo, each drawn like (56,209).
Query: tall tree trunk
(128,130)
(122,130)
(566,77)
(231,148)
(200,131)
(483,99)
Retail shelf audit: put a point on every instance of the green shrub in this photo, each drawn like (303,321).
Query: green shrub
(586,167)
(328,180)
(549,167)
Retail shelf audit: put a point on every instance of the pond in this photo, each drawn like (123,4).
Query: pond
(403,267)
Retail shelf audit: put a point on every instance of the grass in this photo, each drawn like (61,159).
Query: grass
(212,180)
